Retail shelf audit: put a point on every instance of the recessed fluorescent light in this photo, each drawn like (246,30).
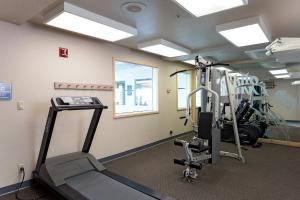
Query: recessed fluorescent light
(235,74)
(245,32)
(223,69)
(280,71)
(72,18)
(296,83)
(192,62)
(283,76)
(164,48)
(205,7)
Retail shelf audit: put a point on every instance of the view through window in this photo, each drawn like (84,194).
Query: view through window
(183,89)
(135,88)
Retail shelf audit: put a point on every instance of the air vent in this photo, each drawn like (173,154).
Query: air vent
(133,7)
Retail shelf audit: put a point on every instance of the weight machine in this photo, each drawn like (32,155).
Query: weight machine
(205,147)
(253,112)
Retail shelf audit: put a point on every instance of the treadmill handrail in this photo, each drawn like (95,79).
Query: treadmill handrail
(53,110)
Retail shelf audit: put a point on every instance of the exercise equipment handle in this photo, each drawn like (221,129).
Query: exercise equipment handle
(180,71)
(218,64)
(217,103)
(185,122)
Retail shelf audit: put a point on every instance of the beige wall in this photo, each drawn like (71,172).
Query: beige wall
(286,99)
(29,60)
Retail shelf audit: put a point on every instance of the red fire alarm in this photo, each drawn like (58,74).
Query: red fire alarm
(63,52)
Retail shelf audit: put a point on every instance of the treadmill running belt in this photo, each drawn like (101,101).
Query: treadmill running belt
(95,185)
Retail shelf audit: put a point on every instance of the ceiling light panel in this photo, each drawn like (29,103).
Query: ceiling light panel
(235,74)
(72,18)
(192,62)
(283,76)
(164,48)
(205,7)
(280,71)
(245,32)
(296,83)
(223,69)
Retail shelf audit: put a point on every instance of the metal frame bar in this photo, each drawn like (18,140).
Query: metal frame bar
(92,130)
(216,114)
(46,138)
(231,96)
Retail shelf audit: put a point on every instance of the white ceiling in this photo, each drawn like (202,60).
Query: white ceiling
(165,19)
(20,11)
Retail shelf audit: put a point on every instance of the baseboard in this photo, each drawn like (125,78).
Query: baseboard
(297,121)
(14,187)
(11,188)
(280,142)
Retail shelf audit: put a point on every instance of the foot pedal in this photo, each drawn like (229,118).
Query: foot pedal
(178,143)
(180,162)
(195,166)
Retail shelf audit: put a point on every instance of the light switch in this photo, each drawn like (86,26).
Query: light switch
(20,105)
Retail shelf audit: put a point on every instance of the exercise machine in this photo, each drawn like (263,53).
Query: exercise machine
(205,147)
(79,176)
(253,112)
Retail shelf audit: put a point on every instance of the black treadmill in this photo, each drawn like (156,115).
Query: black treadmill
(79,175)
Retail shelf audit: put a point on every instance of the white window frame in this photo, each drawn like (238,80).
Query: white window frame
(199,92)
(177,106)
(138,113)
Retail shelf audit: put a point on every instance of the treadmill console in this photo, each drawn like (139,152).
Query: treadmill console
(76,100)
(76,103)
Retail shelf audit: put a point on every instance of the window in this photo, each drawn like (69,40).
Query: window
(120,93)
(198,95)
(143,92)
(183,89)
(135,89)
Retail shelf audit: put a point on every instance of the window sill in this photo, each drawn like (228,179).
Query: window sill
(136,114)
(181,109)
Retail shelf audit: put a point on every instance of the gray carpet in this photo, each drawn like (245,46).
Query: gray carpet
(271,173)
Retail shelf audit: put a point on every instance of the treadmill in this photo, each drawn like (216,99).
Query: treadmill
(79,175)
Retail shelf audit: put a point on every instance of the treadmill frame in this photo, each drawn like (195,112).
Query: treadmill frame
(72,194)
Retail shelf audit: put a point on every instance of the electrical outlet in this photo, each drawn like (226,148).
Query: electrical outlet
(20,105)
(20,166)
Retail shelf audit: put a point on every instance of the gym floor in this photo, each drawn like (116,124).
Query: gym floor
(272,172)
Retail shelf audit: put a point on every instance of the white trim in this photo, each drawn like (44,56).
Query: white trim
(75,10)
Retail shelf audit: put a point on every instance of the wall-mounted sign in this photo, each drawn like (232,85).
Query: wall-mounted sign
(5,91)
(63,52)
